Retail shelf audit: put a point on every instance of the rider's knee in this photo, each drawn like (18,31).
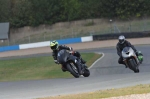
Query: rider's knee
(120,61)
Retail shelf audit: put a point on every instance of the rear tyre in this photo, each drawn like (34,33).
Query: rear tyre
(137,71)
(73,70)
(86,73)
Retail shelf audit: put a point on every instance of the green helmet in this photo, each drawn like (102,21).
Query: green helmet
(54,45)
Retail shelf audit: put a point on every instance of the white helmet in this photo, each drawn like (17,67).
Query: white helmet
(121,39)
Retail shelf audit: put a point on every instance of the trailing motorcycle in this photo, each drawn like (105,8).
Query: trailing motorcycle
(131,60)
(72,64)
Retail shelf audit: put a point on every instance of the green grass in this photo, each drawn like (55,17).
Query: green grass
(139,89)
(36,68)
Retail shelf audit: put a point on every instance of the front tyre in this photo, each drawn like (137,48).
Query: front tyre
(73,70)
(133,65)
(137,71)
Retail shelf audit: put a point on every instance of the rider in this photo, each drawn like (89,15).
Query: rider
(120,45)
(54,45)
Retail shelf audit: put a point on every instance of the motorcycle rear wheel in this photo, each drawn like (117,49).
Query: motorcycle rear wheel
(86,73)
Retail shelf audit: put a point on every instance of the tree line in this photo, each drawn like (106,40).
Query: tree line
(35,12)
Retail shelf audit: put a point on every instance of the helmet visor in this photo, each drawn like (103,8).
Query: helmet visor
(54,47)
(121,41)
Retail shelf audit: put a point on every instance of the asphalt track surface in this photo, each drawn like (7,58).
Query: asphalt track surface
(106,73)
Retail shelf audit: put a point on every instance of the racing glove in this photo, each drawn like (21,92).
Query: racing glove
(137,53)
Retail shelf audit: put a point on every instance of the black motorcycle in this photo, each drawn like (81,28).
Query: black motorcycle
(72,64)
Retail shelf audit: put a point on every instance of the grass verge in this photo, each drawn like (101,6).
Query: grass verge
(139,89)
(36,68)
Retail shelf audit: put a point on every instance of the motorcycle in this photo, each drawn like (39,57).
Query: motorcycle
(72,64)
(131,60)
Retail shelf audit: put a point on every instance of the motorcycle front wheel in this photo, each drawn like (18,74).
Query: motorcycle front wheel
(86,73)
(73,70)
(133,65)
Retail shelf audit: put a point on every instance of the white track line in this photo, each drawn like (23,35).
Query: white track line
(97,60)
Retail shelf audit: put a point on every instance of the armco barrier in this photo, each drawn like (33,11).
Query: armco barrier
(116,35)
(46,43)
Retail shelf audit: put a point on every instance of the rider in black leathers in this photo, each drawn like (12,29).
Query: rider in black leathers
(120,45)
(56,48)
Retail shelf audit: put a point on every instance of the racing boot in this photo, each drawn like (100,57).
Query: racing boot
(85,66)
(125,65)
(83,61)
(63,69)
(82,72)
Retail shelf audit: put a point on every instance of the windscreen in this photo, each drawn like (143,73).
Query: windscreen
(126,49)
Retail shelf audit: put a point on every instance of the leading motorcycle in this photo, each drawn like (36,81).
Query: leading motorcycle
(72,64)
(131,60)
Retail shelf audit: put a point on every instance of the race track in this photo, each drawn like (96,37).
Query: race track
(105,74)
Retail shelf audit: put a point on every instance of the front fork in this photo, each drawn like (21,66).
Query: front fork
(78,66)
(137,61)
(126,63)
